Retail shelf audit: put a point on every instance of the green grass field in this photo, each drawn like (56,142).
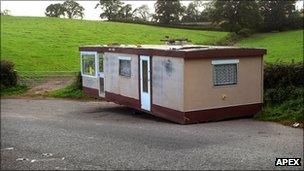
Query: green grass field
(283,46)
(39,44)
(51,44)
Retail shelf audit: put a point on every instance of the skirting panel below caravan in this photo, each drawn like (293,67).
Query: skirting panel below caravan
(122,100)
(222,113)
(91,92)
(191,116)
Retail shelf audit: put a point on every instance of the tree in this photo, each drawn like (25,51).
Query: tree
(276,13)
(142,13)
(5,12)
(206,14)
(167,12)
(125,12)
(73,9)
(110,8)
(233,15)
(55,10)
(192,14)
(295,20)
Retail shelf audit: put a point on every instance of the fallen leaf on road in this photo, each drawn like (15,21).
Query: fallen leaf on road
(9,148)
(47,154)
(22,159)
(296,124)
(34,160)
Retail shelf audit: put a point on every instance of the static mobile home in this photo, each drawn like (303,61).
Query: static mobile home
(180,83)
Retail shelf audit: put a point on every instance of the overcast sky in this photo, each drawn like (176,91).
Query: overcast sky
(37,8)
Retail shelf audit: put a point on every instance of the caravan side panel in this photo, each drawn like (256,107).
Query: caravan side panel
(168,82)
(117,84)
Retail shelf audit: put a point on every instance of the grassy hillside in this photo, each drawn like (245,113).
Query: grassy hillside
(51,44)
(282,46)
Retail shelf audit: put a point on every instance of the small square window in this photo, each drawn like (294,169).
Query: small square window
(125,67)
(224,74)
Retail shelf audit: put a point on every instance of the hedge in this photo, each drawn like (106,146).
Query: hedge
(8,74)
(282,75)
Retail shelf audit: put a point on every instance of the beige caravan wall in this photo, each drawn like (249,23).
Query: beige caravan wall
(115,83)
(168,82)
(200,93)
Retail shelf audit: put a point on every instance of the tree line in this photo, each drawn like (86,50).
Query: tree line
(230,15)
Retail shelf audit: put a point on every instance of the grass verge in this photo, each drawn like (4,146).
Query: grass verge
(287,110)
(291,110)
(16,90)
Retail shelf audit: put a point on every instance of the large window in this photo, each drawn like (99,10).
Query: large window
(225,72)
(125,67)
(88,64)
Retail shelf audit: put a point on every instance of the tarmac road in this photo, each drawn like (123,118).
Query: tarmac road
(66,134)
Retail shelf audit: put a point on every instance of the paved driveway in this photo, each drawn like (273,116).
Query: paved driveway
(62,134)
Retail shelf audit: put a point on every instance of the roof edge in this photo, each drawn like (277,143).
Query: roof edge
(193,54)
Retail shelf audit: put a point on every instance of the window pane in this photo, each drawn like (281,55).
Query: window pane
(125,67)
(101,84)
(88,65)
(145,76)
(100,56)
(225,74)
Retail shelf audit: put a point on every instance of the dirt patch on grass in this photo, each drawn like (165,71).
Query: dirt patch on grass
(49,84)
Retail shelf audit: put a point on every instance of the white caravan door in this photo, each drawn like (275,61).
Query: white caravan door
(145,86)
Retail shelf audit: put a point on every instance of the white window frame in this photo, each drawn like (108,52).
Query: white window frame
(223,62)
(127,59)
(96,63)
(100,74)
(124,58)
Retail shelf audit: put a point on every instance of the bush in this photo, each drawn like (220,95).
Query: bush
(277,96)
(245,32)
(16,90)
(227,26)
(283,75)
(8,74)
(291,110)
(78,82)
(295,21)
(283,92)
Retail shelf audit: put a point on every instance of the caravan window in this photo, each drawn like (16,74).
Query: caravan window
(224,72)
(88,64)
(125,67)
